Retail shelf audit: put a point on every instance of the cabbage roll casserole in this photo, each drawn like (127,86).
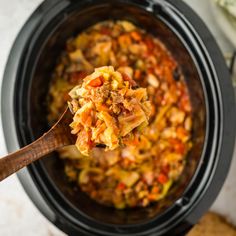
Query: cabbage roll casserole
(142,172)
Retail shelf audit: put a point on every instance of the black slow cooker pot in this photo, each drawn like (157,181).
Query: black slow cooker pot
(26,83)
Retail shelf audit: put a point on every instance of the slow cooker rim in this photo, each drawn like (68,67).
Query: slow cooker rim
(3,106)
(108,223)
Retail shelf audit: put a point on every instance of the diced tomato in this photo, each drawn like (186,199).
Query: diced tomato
(150,44)
(124,40)
(137,74)
(136,36)
(181,132)
(97,82)
(135,141)
(178,146)
(151,70)
(121,186)
(90,144)
(184,103)
(155,189)
(162,178)
(152,197)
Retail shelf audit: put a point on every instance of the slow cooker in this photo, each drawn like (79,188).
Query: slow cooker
(24,109)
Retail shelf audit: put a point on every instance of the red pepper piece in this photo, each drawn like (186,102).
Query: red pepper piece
(97,82)
(136,36)
(121,186)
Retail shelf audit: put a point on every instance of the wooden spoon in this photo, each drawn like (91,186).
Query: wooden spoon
(58,136)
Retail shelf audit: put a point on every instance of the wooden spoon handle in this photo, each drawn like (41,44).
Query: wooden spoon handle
(42,146)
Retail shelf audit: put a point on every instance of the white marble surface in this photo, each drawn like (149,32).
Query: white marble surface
(18,216)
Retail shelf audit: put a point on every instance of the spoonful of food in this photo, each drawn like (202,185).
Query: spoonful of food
(107,110)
